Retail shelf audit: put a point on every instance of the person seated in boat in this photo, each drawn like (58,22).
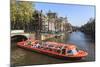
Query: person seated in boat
(44,45)
(34,45)
(29,42)
(63,50)
(41,44)
(37,45)
(74,51)
(47,47)
(58,49)
(71,51)
(52,48)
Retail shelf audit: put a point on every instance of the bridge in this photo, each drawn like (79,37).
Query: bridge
(20,34)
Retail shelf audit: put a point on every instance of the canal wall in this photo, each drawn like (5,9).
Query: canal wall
(47,36)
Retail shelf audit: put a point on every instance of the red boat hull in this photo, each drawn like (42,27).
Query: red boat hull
(49,53)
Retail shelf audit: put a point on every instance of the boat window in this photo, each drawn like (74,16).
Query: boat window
(69,51)
(72,51)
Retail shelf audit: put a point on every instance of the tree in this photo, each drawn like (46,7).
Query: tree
(21,13)
(13,13)
(89,27)
(25,11)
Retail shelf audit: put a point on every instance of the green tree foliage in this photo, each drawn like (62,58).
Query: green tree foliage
(21,14)
(24,16)
(25,11)
(13,13)
(89,27)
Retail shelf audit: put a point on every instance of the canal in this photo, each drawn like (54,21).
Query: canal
(24,57)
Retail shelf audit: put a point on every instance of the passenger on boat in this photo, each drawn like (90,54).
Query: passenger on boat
(63,50)
(34,45)
(47,47)
(71,52)
(58,50)
(37,45)
(29,42)
(51,48)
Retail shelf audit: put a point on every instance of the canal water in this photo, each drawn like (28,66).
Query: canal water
(21,56)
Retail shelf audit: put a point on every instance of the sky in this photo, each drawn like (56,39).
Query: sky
(77,14)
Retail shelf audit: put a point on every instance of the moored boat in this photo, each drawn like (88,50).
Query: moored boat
(51,49)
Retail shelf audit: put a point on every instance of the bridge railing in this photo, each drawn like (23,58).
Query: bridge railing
(17,31)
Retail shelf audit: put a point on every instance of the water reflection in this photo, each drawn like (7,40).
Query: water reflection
(83,42)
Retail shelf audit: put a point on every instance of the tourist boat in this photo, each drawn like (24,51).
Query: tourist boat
(79,55)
